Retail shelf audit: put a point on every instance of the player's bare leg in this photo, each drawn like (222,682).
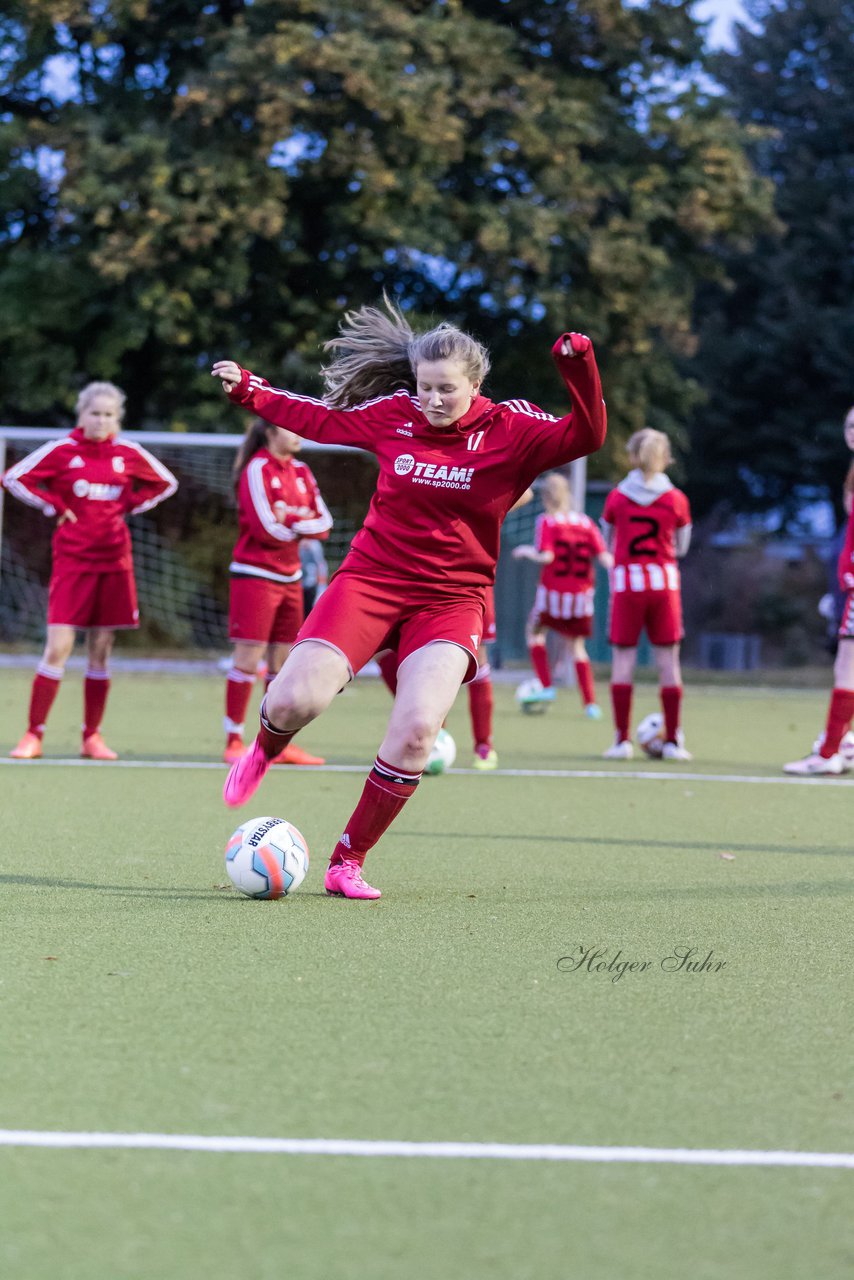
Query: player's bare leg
(428,681)
(622,687)
(45,686)
(311,677)
(293,753)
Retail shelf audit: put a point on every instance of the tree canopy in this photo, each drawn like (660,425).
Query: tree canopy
(187,181)
(777,346)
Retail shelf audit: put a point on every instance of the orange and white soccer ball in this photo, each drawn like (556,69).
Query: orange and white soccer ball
(650,735)
(266,858)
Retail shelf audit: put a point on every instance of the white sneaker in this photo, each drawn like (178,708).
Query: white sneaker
(619,751)
(846,746)
(675,751)
(815,765)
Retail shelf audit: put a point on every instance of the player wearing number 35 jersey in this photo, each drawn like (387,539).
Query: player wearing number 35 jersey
(567,545)
(647,526)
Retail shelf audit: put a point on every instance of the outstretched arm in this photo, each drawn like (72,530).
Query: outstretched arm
(304,415)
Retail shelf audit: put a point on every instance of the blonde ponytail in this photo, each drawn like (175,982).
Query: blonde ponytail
(649,450)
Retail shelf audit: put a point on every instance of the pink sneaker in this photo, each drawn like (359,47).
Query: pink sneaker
(245,775)
(344,880)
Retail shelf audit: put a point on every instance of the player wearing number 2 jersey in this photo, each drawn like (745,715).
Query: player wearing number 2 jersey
(567,545)
(647,526)
(451,464)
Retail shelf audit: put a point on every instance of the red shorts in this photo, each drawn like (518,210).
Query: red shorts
(489,629)
(563,626)
(84,598)
(264,612)
(361,618)
(657,612)
(846,624)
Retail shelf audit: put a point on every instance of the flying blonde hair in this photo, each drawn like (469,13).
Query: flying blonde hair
(377,352)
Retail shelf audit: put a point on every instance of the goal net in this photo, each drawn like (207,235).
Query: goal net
(181,549)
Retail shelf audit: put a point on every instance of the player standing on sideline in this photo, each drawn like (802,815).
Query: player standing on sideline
(833,753)
(647,525)
(566,544)
(90,480)
(278,503)
(452,463)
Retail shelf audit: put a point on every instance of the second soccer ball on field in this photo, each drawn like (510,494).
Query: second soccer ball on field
(443,755)
(650,735)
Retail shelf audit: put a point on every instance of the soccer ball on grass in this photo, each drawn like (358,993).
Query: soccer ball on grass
(266,858)
(443,755)
(650,735)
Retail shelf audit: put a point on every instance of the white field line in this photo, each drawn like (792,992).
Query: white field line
(422,1150)
(654,775)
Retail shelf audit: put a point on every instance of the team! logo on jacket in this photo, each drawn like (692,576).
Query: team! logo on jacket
(432,473)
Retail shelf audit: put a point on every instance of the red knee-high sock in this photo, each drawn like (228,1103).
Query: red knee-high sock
(671,705)
(584,676)
(96,687)
(386,791)
(270,739)
(621,703)
(481,703)
(238,691)
(45,688)
(387,663)
(540,663)
(839,715)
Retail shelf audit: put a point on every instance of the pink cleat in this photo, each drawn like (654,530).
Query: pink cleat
(29,748)
(95,748)
(344,880)
(244,776)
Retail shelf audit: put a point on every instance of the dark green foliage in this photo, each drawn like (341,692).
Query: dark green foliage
(777,349)
(228,177)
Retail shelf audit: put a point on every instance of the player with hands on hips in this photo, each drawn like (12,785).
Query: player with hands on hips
(451,465)
(646,523)
(567,545)
(90,480)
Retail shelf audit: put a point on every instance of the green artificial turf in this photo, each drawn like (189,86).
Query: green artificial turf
(141,993)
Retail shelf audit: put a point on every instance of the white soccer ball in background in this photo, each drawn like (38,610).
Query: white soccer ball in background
(443,755)
(650,735)
(266,858)
(528,696)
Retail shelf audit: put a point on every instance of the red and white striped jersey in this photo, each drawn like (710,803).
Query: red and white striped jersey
(278,503)
(643,540)
(101,482)
(442,494)
(566,584)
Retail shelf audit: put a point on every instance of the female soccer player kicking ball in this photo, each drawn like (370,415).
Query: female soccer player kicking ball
(452,463)
(90,480)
